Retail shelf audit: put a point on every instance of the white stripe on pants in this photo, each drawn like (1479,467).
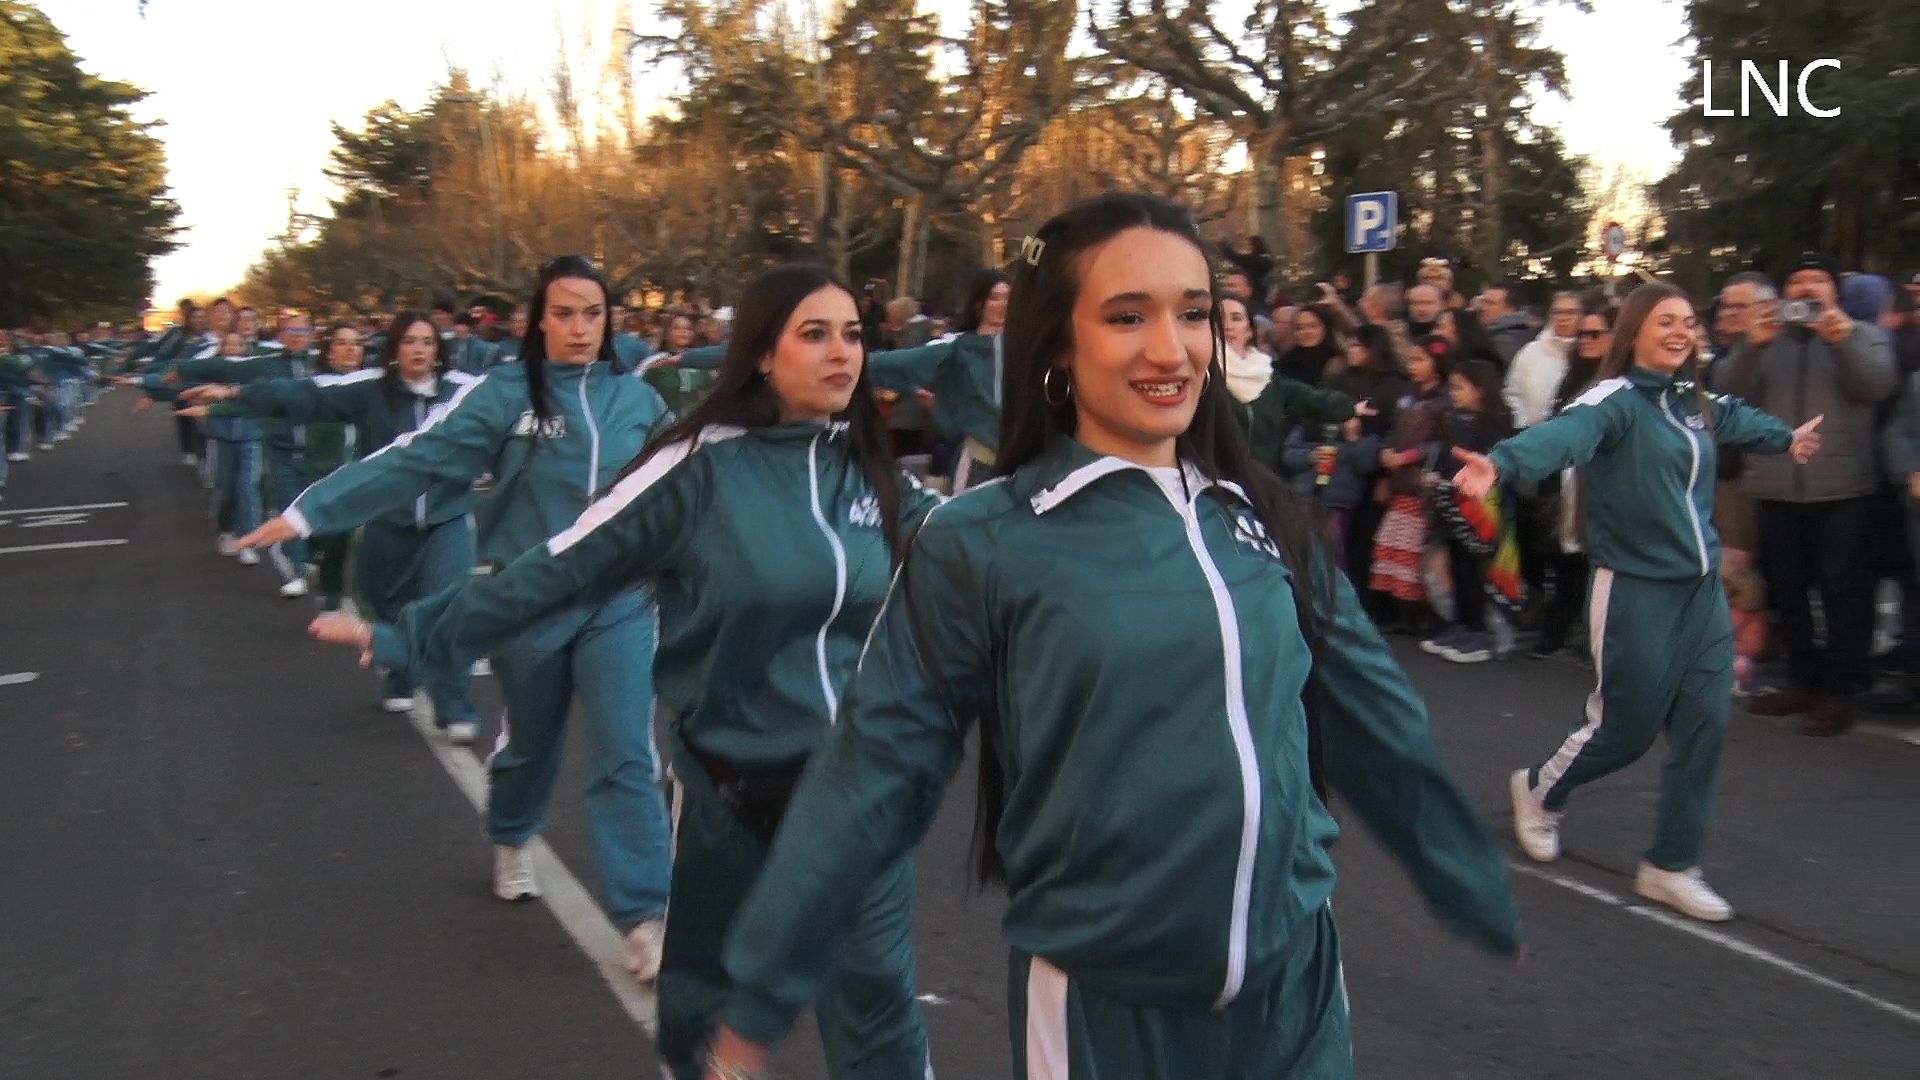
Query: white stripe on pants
(1597,601)
(1046,1021)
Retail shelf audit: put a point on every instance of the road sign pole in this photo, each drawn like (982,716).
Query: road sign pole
(1373,269)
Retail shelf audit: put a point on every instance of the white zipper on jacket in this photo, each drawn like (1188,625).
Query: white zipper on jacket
(839,578)
(1693,477)
(1242,730)
(593,442)
(419,504)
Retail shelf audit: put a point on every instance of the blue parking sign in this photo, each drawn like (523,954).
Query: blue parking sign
(1372,221)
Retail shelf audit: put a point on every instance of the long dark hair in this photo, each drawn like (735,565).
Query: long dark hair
(1580,372)
(741,395)
(1039,338)
(979,290)
(533,344)
(1633,315)
(1383,360)
(390,350)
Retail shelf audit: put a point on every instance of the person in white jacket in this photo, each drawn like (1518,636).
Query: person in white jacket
(1541,363)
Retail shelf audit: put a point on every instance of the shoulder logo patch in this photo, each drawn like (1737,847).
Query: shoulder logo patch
(554,427)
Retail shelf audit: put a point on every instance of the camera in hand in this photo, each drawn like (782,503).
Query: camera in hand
(1800,312)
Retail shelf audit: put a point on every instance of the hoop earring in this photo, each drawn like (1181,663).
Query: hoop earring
(1206,377)
(1046,389)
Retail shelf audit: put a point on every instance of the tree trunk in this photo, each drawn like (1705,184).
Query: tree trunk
(912,223)
(827,207)
(1492,241)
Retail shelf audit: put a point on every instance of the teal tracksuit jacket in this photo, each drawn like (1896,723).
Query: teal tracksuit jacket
(1648,468)
(765,551)
(365,400)
(1132,640)
(1663,656)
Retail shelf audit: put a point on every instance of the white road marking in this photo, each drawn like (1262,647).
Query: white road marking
(26,548)
(59,509)
(18,678)
(572,906)
(42,521)
(1717,937)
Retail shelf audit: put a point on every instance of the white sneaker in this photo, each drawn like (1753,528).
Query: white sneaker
(189,460)
(482,668)
(227,544)
(397,704)
(463,732)
(1535,827)
(248,557)
(644,943)
(295,588)
(46,446)
(17,455)
(1684,891)
(513,874)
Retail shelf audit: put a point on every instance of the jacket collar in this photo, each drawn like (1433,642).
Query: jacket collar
(1648,379)
(798,432)
(1067,468)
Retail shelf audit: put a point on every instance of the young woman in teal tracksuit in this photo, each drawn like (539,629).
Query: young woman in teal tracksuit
(964,373)
(1662,639)
(553,430)
(1118,614)
(414,550)
(766,521)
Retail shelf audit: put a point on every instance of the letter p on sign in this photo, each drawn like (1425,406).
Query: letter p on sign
(1372,221)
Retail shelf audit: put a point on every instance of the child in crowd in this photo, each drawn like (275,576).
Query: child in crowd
(1476,419)
(1332,466)
(1747,599)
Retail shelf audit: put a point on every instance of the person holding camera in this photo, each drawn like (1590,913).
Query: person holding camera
(1802,358)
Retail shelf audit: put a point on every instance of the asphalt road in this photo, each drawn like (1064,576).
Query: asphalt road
(223,861)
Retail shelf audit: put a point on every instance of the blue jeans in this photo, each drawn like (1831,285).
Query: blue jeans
(607,662)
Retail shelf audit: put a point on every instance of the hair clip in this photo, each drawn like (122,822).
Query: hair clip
(1031,248)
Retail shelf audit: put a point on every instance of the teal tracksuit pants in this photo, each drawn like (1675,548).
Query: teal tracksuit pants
(399,564)
(1663,662)
(1294,1027)
(284,478)
(869,1023)
(603,655)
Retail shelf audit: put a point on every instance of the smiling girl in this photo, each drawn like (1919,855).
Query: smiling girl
(1117,614)
(1662,641)
(767,521)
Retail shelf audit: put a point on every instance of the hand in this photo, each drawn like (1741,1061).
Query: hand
(1477,475)
(1833,326)
(207,394)
(1389,459)
(735,1054)
(1765,325)
(277,531)
(142,405)
(1913,486)
(127,380)
(196,412)
(1806,440)
(340,628)
(924,397)
(1363,407)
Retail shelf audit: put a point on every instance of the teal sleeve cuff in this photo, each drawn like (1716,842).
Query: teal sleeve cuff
(389,648)
(756,1017)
